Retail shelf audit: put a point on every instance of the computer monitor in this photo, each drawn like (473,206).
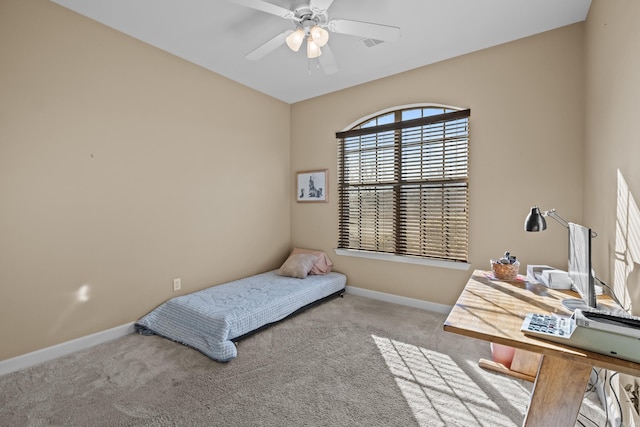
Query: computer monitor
(580,272)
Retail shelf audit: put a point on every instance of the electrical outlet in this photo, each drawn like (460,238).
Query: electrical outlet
(177,285)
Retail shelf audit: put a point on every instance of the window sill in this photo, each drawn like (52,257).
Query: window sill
(404,259)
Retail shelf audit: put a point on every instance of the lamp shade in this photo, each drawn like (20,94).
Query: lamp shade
(313,50)
(295,39)
(319,35)
(535,220)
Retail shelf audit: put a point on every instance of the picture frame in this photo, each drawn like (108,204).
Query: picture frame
(312,186)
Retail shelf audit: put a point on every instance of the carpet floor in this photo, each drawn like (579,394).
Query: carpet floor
(352,361)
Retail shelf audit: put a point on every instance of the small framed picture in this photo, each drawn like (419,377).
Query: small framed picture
(312,186)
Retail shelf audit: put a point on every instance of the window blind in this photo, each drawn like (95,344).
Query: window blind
(403,186)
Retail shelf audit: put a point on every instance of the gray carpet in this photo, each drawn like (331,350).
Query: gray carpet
(352,361)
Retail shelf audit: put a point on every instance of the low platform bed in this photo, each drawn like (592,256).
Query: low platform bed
(339,293)
(213,319)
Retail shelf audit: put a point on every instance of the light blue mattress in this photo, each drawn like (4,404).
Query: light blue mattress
(210,319)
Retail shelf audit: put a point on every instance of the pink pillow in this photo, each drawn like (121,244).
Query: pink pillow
(297,265)
(323,263)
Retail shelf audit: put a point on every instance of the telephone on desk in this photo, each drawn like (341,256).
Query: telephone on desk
(612,333)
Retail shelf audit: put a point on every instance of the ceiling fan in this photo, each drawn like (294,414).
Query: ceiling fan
(311,24)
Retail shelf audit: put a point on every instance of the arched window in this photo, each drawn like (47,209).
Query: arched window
(403,183)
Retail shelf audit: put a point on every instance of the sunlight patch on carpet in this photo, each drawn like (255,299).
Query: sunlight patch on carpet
(439,391)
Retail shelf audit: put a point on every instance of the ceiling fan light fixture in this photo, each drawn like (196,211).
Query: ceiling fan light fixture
(320,35)
(295,39)
(313,50)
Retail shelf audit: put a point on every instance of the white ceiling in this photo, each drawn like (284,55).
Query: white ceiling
(217,34)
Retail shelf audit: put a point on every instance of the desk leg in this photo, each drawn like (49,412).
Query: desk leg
(557,393)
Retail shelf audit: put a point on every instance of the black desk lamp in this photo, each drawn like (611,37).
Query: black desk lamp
(535,220)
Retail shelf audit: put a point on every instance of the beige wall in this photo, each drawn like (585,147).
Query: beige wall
(612,157)
(527,107)
(612,161)
(121,168)
(116,161)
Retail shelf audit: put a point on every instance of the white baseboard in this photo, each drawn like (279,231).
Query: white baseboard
(396,299)
(62,349)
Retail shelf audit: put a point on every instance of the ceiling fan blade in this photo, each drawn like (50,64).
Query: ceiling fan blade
(320,5)
(328,61)
(385,33)
(267,7)
(268,47)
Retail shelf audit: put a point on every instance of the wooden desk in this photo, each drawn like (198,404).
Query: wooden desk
(494,310)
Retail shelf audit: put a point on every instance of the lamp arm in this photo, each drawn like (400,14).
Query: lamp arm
(555,215)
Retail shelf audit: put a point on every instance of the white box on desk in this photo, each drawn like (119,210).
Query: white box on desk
(548,276)
(534,271)
(556,279)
